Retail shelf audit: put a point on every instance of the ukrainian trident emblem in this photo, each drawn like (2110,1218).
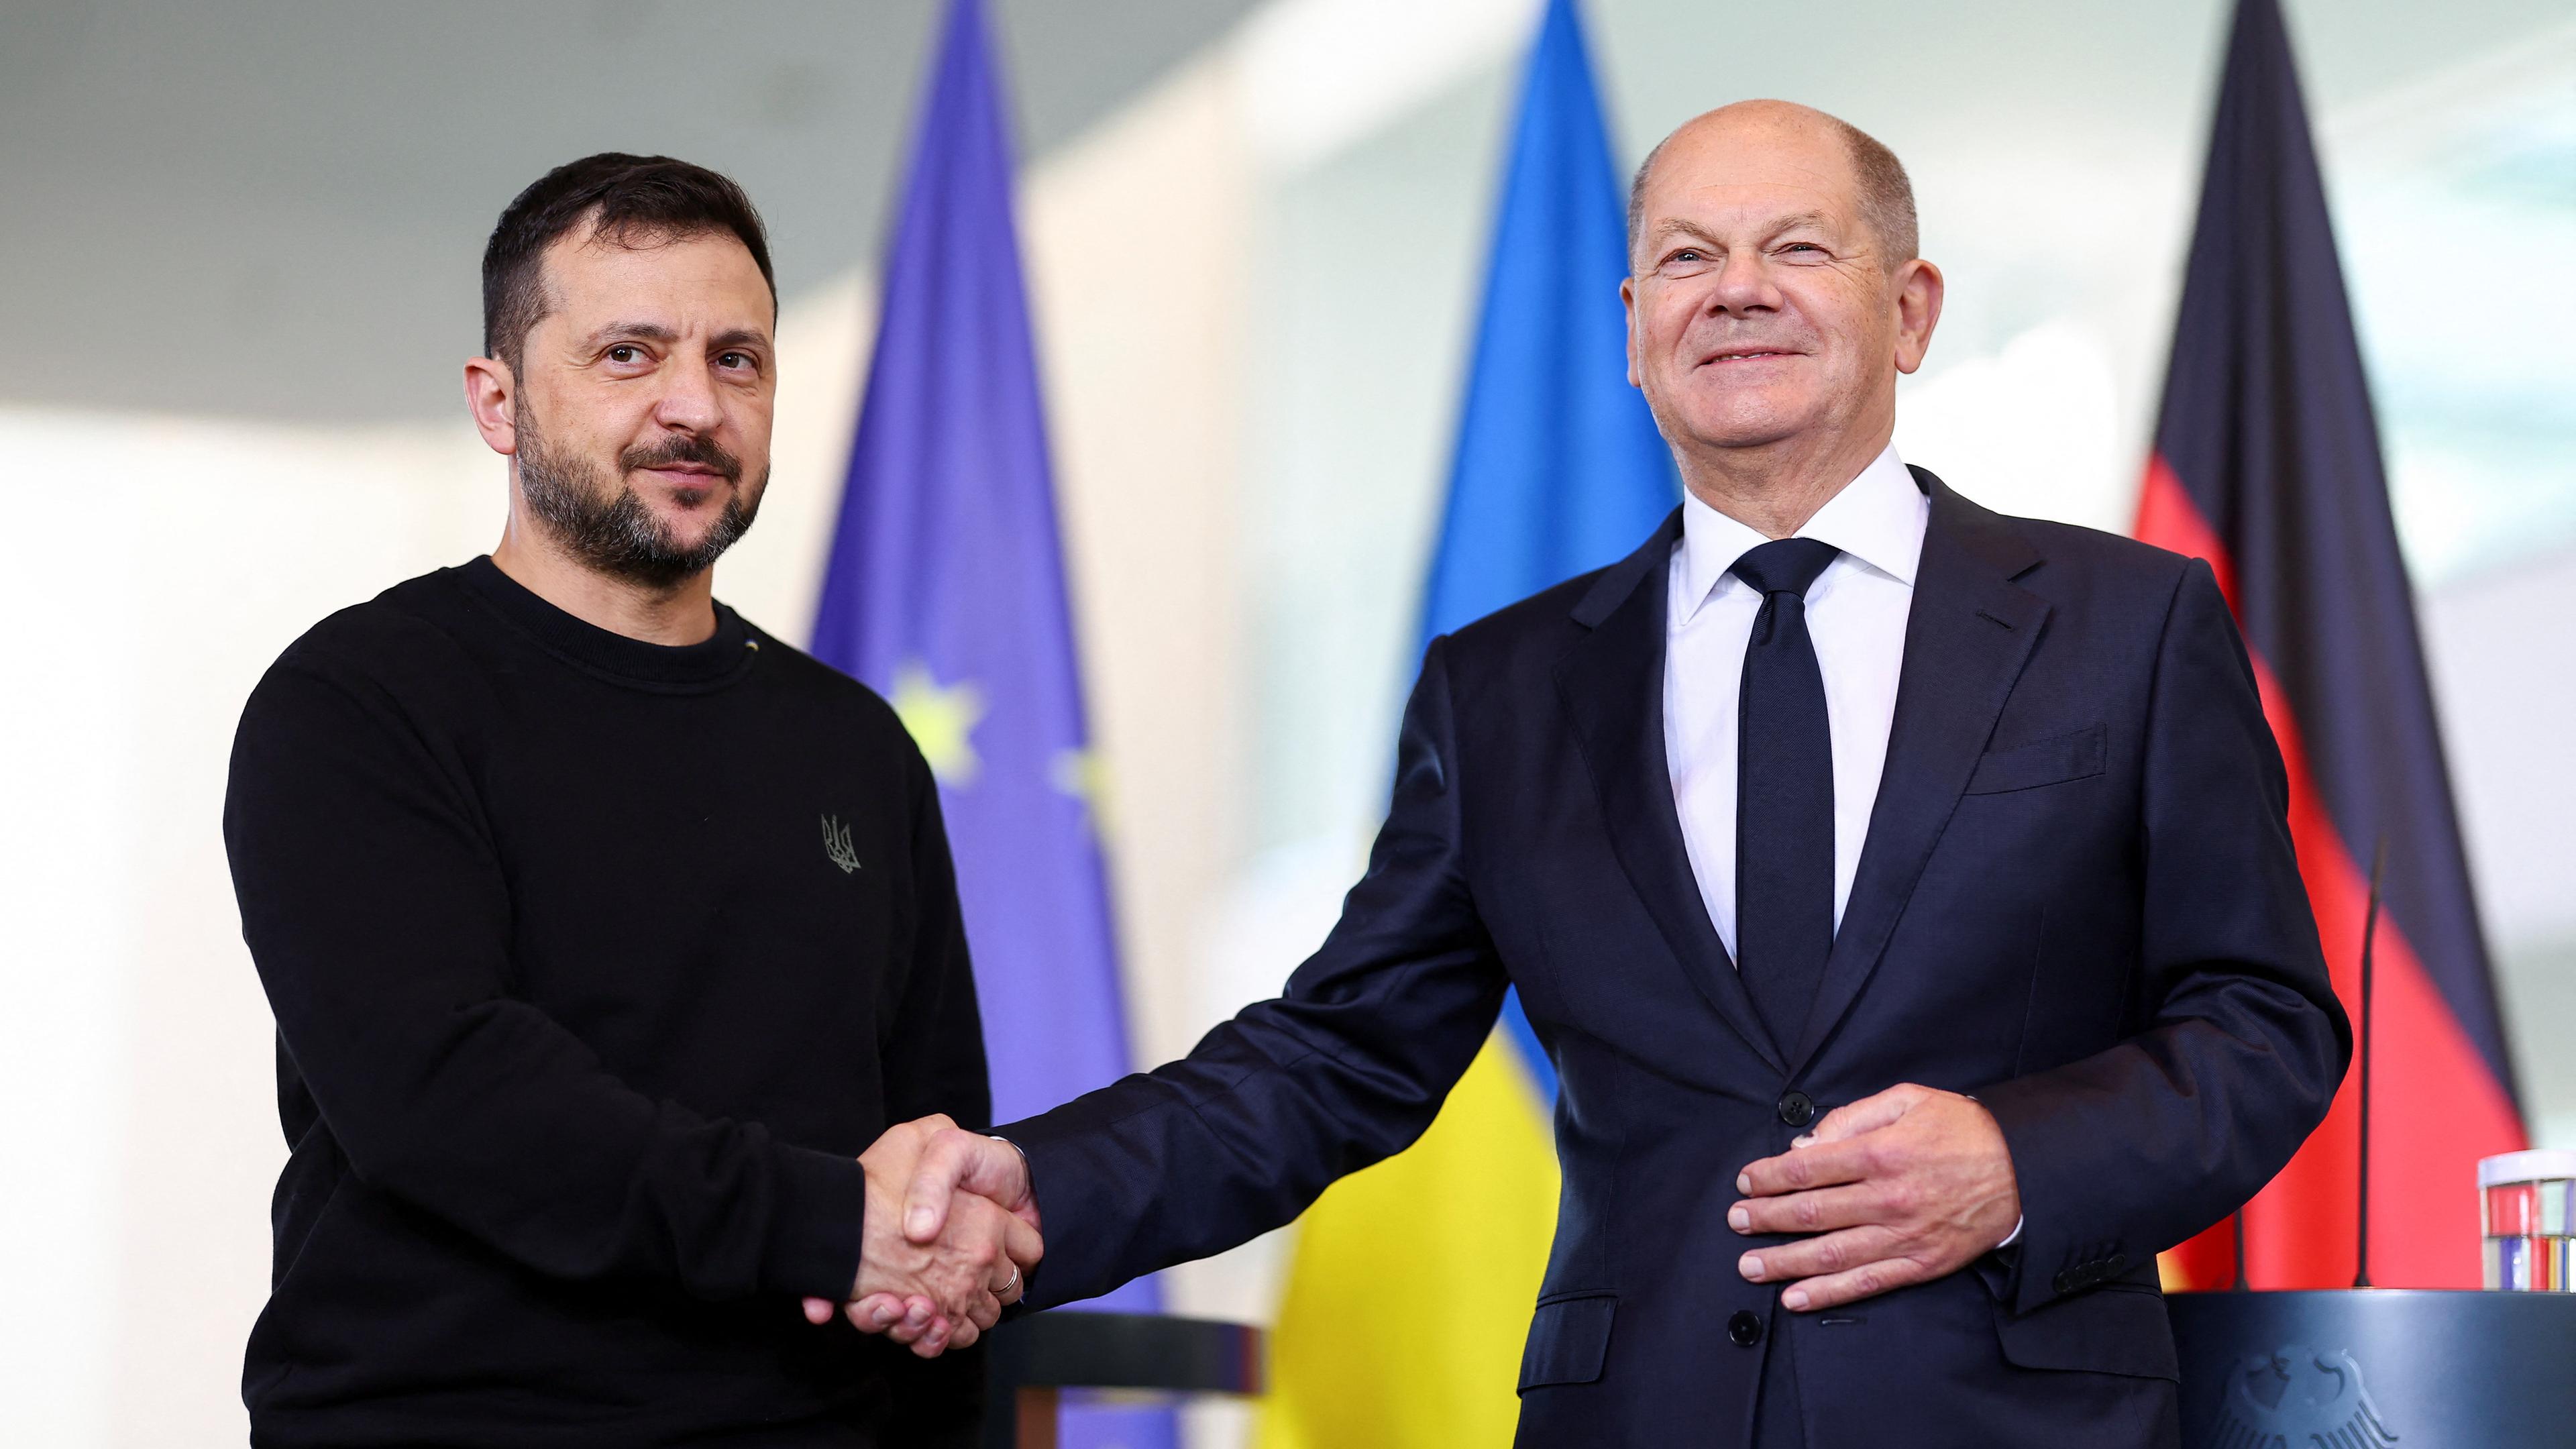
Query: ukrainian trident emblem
(836,845)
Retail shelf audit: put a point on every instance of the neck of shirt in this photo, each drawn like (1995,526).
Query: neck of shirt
(1877,520)
(711,663)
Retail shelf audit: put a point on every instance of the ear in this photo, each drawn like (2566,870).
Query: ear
(492,397)
(1918,311)
(1628,305)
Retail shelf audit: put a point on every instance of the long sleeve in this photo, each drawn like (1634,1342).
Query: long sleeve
(2243,1044)
(932,1042)
(1346,1068)
(379,917)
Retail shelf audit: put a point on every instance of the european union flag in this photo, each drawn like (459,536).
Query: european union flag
(1559,468)
(946,593)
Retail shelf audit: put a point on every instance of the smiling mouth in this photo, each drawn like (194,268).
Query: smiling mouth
(696,474)
(1754,354)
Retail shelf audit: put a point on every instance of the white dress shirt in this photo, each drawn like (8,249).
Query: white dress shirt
(1856,612)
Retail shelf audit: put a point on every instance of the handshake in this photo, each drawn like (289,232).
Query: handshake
(951,1232)
(1898,1188)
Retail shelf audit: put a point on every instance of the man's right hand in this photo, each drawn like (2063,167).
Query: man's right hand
(951,1232)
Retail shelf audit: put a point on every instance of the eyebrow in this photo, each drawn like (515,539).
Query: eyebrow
(1675,226)
(1678,227)
(656,332)
(640,331)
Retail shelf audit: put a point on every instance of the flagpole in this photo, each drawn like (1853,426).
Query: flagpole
(2369,928)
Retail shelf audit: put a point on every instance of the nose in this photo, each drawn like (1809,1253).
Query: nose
(1743,284)
(688,403)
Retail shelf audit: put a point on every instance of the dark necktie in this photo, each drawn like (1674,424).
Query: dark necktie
(1784,794)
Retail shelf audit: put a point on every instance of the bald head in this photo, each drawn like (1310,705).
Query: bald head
(1882,192)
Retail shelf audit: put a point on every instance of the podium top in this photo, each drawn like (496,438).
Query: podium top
(2404,1366)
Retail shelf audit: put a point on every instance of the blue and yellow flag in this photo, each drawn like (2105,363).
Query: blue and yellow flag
(1402,1323)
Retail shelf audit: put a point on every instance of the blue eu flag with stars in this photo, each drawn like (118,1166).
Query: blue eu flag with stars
(946,593)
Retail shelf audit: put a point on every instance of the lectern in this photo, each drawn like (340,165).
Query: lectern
(1032,1360)
(2371,1368)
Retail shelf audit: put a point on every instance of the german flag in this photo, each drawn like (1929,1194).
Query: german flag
(2267,465)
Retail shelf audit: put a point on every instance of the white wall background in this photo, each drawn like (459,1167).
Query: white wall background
(1255,287)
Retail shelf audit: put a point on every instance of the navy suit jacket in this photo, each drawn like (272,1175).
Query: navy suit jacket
(2077,901)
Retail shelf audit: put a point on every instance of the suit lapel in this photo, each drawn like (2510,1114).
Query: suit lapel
(1968,634)
(1612,682)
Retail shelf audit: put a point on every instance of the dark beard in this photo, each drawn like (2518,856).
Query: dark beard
(607,528)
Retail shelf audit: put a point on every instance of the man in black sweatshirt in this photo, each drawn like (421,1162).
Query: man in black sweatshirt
(604,932)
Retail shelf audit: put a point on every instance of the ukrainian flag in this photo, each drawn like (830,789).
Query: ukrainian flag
(1414,1281)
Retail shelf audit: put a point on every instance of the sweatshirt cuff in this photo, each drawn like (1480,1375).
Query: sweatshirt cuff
(814,1229)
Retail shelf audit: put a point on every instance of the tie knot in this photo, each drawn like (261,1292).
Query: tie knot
(1784,565)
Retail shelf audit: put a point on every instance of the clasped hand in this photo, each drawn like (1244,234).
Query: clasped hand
(1900,1188)
(951,1233)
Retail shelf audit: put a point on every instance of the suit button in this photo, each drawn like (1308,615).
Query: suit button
(1744,1328)
(1797,1109)
(2065,1282)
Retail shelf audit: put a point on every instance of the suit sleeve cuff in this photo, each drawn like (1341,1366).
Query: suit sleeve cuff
(1088,1223)
(2077,1241)
(814,1229)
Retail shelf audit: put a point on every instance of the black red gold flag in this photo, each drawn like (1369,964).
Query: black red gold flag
(2267,464)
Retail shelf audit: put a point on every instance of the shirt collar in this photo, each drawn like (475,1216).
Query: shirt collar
(1878,518)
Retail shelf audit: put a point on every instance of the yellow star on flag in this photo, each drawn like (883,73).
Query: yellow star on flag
(941,720)
(1083,775)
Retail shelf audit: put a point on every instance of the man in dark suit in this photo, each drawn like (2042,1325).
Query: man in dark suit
(1902,892)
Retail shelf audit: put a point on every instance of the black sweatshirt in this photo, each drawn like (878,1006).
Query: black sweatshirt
(595,964)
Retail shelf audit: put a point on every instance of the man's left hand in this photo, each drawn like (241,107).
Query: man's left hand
(1903,1187)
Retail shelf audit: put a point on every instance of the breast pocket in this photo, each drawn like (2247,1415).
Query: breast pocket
(2076,755)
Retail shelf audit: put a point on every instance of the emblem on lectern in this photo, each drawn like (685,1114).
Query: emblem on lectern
(2295,1398)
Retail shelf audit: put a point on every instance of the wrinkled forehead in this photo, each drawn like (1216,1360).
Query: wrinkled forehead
(1751,174)
(708,275)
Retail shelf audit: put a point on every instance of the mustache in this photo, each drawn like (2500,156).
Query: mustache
(705,452)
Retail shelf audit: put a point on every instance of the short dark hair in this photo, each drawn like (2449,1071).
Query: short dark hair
(631,200)
(1886,193)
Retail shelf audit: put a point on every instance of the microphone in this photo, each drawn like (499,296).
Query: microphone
(2369,929)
